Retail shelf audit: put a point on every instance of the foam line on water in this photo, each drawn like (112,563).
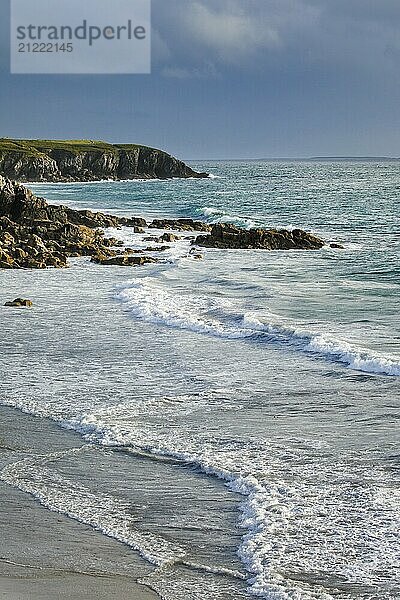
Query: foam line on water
(280,517)
(146,300)
(103,512)
(112,517)
(269,509)
(112,181)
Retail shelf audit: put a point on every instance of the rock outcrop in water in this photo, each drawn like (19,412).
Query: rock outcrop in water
(86,160)
(20,303)
(224,235)
(124,260)
(180,225)
(35,234)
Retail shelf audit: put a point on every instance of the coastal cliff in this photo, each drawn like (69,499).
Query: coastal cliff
(86,160)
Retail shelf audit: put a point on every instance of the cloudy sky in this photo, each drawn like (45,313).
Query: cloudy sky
(233,79)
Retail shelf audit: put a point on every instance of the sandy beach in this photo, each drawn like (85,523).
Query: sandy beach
(19,583)
(45,555)
(207,429)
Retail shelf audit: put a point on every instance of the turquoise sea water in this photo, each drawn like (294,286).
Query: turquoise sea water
(275,372)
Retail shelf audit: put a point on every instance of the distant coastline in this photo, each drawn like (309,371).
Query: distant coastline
(354,158)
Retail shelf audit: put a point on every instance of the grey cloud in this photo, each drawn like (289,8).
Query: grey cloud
(270,34)
(384,11)
(233,32)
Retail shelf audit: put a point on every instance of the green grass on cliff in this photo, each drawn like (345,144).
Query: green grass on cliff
(39,147)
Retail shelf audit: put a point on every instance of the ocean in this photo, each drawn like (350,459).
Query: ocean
(238,416)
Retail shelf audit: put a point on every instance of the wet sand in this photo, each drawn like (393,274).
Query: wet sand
(19,583)
(45,555)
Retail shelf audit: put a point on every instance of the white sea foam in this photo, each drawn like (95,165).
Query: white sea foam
(115,518)
(176,251)
(216,215)
(146,300)
(286,520)
(355,358)
(103,512)
(68,183)
(114,181)
(292,521)
(152,304)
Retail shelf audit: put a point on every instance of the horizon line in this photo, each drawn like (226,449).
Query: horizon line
(298,158)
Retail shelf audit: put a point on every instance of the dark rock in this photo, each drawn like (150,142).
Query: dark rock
(20,303)
(112,242)
(123,260)
(135,222)
(132,251)
(195,254)
(180,225)
(88,218)
(36,235)
(335,245)
(169,237)
(224,235)
(151,238)
(157,248)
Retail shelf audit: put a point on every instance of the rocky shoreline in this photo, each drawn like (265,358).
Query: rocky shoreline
(37,235)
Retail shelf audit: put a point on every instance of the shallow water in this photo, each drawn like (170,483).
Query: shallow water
(274,372)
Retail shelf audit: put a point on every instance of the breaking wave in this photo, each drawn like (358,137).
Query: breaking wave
(215,215)
(146,300)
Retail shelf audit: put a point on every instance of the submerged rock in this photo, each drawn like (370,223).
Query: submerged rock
(335,245)
(195,254)
(156,248)
(151,238)
(224,235)
(123,260)
(20,303)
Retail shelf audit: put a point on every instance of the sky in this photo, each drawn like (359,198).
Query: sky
(232,79)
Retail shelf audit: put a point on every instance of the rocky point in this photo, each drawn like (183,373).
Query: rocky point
(35,234)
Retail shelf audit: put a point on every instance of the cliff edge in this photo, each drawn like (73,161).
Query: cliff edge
(86,160)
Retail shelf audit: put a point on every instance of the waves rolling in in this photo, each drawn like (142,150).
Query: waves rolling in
(305,440)
(146,300)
